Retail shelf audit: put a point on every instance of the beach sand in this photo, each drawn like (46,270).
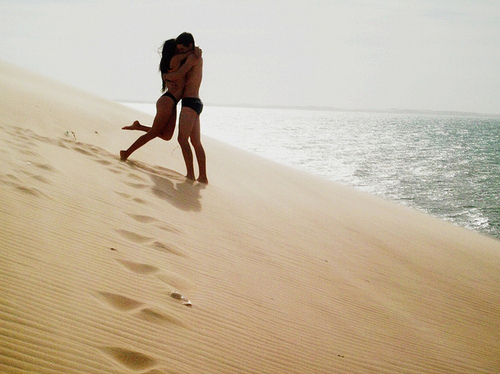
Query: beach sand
(125,267)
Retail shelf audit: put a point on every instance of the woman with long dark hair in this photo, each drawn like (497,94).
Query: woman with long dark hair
(166,111)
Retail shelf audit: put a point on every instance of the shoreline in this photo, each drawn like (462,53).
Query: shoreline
(215,126)
(345,110)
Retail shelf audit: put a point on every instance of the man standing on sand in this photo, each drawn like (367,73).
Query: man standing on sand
(192,106)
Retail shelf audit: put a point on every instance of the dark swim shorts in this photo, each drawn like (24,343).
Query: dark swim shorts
(168,94)
(193,103)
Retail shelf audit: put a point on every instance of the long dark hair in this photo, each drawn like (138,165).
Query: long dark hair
(167,52)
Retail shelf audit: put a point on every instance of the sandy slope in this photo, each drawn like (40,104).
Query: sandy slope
(286,273)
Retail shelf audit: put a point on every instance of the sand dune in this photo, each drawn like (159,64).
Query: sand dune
(283,272)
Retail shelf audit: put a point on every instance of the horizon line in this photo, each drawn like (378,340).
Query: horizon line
(336,109)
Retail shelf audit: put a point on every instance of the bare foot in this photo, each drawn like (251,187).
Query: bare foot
(123,155)
(135,126)
(190,177)
(203,180)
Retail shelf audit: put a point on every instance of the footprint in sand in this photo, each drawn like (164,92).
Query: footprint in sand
(24,140)
(124,195)
(141,239)
(4,181)
(142,218)
(118,302)
(136,199)
(136,185)
(61,143)
(140,201)
(42,179)
(83,151)
(138,268)
(31,191)
(27,152)
(168,248)
(114,170)
(136,177)
(166,227)
(97,154)
(104,162)
(132,360)
(156,316)
(149,220)
(123,303)
(43,166)
(175,281)
(134,237)
(90,150)
(13,177)
(141,182)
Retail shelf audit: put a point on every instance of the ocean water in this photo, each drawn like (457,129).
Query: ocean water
(447,166)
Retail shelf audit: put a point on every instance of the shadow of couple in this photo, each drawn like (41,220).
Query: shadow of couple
(172,187)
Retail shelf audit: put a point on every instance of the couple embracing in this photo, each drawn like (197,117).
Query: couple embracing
(181,67)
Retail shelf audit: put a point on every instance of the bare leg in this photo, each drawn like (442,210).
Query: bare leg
(137,126)
(200,152)
(187,120)
(168,130)
(164,109)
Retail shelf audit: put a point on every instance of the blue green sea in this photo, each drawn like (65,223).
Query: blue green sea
(445,165)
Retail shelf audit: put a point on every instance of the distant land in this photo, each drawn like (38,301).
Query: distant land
(334,109)
(391,110)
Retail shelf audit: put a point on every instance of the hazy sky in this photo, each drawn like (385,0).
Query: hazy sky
(378,54)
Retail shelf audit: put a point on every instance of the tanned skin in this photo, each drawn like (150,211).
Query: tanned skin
(166,112)
(189,121)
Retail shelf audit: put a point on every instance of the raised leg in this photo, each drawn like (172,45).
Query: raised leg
(164,109)
(137,126)
(168,130)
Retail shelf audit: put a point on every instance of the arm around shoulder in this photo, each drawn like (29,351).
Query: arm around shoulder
(190,62)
